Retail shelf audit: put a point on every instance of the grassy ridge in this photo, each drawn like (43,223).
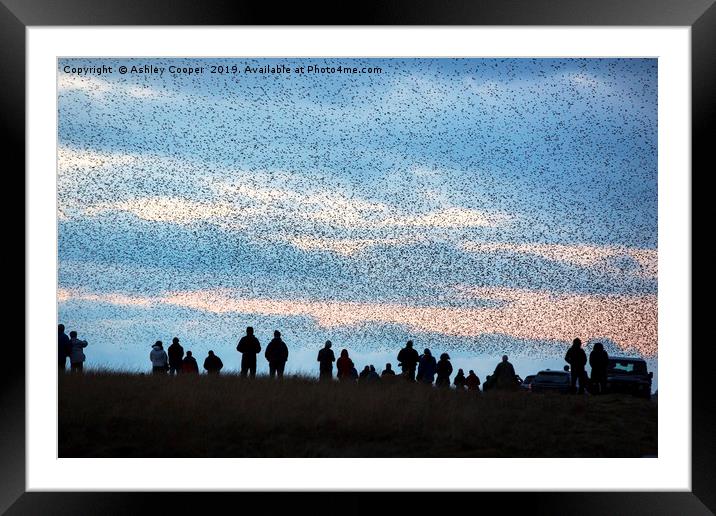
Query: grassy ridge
(130,415)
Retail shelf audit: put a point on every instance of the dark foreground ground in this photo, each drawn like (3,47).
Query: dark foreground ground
(126,415)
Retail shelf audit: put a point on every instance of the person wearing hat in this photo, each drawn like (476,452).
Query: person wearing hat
(158,356)
(444,370)
(277,355)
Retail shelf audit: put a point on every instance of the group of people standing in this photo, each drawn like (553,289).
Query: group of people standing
(174,361)
(420,368)
(70,348)
(428,369)
(598,361)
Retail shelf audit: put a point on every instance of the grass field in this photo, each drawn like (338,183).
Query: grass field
(131,415)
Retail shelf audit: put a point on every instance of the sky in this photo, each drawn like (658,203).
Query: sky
(475,206)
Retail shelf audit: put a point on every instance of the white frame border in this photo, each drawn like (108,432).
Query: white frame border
(670,471)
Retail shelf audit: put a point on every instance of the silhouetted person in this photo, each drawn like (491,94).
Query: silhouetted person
(213,364)
(459,380)
(176,354)
(64,348)
(77,354)
(277,355)
(159,359)
(249,347)
(372,375)
(364,374)
(472,381)
(444,370)
(189,365)
(577,360)
(325,361)
(426,367)
(345,366)
(598,361)
(504,375)
(407,360)
(388,371)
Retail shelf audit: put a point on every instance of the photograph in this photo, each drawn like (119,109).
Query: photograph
(357,257)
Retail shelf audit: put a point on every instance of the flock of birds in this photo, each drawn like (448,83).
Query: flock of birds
(406,190)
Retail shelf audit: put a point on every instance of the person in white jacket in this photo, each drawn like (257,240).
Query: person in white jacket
(159,359)
(77,355)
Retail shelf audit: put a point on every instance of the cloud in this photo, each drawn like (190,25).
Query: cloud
(452,217)
(282,206)
(345,246)
(629,321)
(167,209)
(296,218)
(64,295)
(580,255)
(70,160)
(88,83)
(97,88)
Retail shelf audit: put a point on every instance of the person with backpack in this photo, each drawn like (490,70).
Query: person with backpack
(176,355)
(249,347)
(277,355)
(159,359)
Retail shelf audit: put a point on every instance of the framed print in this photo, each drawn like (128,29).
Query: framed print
(514,201)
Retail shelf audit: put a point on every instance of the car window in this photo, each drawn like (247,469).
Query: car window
(625,366)
(552,377)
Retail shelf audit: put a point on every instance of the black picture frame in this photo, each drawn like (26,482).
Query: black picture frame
(17,15)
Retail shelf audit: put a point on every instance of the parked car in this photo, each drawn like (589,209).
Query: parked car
(527,381)
(551,381)
(629,375)
(490,384)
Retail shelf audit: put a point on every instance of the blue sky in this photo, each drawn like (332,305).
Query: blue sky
(482,190)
